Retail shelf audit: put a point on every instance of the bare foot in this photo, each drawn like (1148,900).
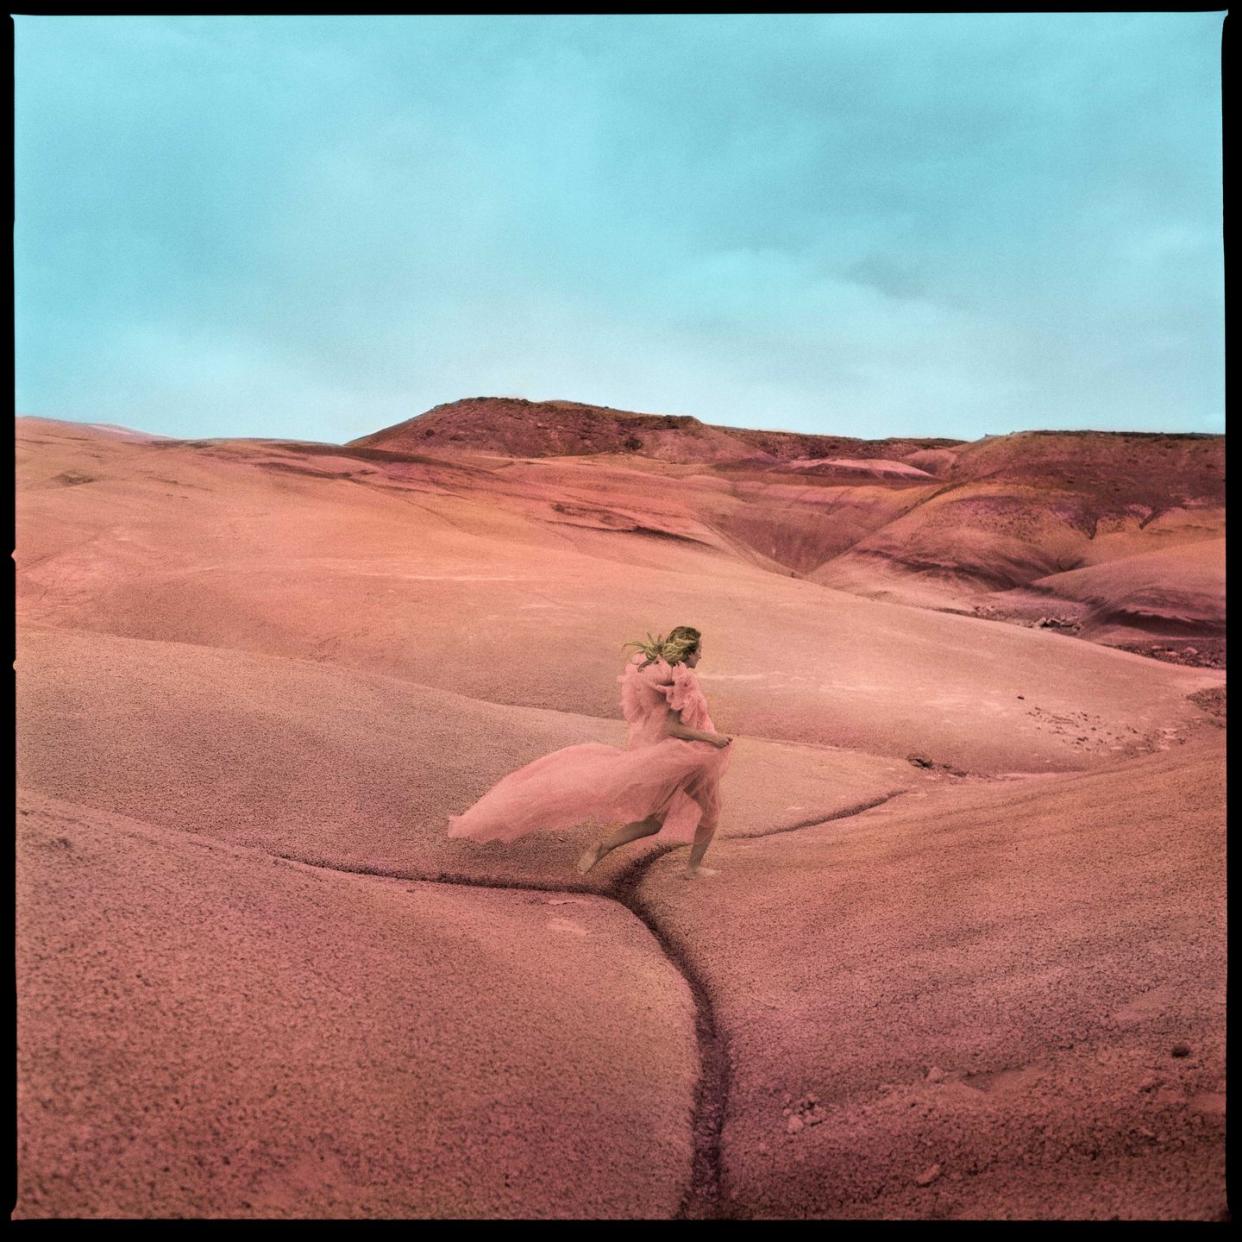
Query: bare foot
(695,872)
(590,858)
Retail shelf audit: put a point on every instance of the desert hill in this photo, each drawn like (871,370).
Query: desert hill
(945,524)
(521,428)
(964,951)
(464,576)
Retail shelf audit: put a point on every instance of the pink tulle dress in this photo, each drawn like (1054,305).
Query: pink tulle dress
(653,774)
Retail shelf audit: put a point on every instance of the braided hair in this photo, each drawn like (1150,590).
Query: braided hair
(681,641)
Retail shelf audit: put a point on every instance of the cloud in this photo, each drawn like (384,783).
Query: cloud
(866,224)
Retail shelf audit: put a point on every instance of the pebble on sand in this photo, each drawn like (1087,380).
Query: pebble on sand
(928,1175)
(794,1124)
(1181,1050)
(935,1074)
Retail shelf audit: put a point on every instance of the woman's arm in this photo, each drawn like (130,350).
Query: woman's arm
(675,728)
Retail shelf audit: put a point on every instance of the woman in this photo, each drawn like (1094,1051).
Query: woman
(665,782)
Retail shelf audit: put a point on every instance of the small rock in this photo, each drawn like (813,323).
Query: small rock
(785,1112)
(928,1176)
(763,1149)
(1181,1050)
(812,1099)
(919,761)
(935,1074)
(1022,696)
(793,1125)
(1150,1083)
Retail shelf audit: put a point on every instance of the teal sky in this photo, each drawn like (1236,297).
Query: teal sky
(865,225)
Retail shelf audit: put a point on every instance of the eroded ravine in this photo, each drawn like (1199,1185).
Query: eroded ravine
(705,1197)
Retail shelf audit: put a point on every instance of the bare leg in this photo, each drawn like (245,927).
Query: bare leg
(626,833)
(702,839)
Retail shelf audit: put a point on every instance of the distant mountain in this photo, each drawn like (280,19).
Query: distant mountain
(1117,536)
(519,428)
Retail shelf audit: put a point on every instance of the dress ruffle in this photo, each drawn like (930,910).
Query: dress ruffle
(679,694)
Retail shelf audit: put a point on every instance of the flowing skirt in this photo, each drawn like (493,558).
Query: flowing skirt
(595,782)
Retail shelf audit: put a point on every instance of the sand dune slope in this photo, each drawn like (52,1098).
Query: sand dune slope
(1004,1003)
(452,586)
(347,769)
(206,1031)
(963,954)
(860,516)
(1171,592)
(1014,509)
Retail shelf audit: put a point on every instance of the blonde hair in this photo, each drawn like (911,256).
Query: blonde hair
(683,640)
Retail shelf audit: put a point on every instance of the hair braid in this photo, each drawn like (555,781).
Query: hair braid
(680,642)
